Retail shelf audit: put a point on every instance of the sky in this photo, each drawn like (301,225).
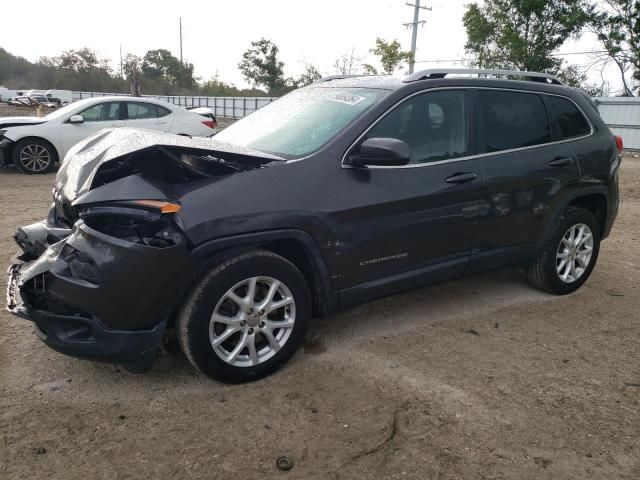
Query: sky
(217,32)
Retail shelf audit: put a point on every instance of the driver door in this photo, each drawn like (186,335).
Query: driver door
(96,117)
(413,225)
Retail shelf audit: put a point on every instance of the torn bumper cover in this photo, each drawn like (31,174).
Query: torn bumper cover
(86,305)
(5,146)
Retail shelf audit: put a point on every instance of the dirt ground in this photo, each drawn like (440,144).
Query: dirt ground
(481,378)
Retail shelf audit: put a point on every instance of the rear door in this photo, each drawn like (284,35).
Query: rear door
(149,116)
(96,117)
(414,224)
(527,167)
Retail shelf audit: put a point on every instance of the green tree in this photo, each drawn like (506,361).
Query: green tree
(161,67)
(310,75)
(573,76)
(522,34)
(84,60)
(347,64)
(390,55)
(75,70)
(617,25)
(261,67)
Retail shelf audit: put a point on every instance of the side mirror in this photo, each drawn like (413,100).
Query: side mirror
(76,119)
(381,151)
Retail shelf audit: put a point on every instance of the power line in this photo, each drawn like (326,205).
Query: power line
(414,26)
(460,60)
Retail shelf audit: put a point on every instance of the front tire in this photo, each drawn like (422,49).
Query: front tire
(34,156)
(568,254)
(246,318)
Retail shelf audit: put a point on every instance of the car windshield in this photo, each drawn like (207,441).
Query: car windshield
(61,112)
(301,122)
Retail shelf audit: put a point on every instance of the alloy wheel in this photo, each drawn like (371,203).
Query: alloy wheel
(252,321)
(574,253)
(35,158)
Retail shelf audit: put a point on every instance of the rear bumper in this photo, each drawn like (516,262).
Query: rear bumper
(97,297)
(614,198)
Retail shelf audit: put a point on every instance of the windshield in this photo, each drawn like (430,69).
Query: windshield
(66,110)
(301,122)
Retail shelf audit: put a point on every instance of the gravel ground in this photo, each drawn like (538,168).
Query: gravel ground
(483,377)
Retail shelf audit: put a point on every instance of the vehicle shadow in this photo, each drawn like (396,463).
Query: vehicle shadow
(392,315)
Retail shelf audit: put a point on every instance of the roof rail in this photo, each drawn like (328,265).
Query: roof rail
(339,77)
(443,72)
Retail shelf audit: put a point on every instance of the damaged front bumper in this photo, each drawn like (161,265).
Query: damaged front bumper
(94,296)
(5,150)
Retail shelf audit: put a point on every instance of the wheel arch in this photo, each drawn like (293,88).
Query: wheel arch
(596,203)
(294,245)
(41,139)
(595,199)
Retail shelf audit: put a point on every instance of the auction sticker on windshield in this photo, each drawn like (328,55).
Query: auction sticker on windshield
(346,98)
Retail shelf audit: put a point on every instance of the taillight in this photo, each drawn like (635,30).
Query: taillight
(209,123)
(619,143)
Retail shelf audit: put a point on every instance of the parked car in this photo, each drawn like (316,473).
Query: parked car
(205,112)
(35,145)
(20,101)
(47,102)
(63,97)
(335,194)
(58,97)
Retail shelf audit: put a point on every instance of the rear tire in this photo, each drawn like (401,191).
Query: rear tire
(568,254)
(246,318)
(34,156)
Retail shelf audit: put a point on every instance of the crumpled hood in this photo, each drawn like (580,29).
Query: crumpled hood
(78,169)
(6,122)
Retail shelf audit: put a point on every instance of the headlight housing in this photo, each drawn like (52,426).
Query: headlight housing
(145,222)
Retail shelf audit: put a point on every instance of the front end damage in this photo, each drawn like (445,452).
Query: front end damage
(98,297)
(103,274)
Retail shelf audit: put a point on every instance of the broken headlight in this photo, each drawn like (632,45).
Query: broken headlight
(145,222)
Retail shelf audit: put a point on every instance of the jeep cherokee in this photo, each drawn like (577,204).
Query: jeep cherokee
(344,191)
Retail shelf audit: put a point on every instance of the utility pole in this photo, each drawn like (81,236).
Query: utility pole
(181,41)
(414,34)
(120,60)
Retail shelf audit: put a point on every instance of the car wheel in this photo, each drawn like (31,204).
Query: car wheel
(246,317)
(569,253)
(34,156)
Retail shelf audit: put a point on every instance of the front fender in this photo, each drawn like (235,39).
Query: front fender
(213,251)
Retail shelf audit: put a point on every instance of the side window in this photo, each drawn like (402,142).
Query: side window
(512,120)
(139,111)
(571,122)
(433,124)
(162,112)
(102,112)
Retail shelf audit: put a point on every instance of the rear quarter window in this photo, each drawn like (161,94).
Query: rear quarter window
(162,112)
(513,120)
(569,119)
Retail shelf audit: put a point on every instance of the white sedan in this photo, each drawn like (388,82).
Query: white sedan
(35,144)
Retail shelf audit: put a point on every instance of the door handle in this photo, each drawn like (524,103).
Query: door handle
(561,162)
(461,177)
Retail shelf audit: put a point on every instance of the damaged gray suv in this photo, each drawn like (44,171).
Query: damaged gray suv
(338,193)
